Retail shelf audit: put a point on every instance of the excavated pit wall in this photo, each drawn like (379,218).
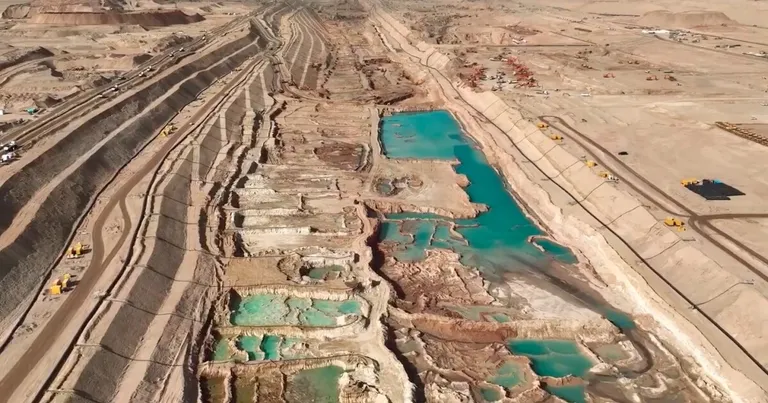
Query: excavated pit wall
(29,258)
(223,136)
(102,373)
(626,216)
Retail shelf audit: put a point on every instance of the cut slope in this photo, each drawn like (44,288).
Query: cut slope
(688,19)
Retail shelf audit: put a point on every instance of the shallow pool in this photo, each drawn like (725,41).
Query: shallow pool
(278,310)
(319,385)
(569,393)
(555,358)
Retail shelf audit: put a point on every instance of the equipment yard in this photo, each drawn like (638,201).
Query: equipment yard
(383,201)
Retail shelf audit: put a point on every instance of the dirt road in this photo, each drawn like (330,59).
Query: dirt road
(52,334)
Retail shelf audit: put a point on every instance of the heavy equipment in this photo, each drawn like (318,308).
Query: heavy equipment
(556,137)
(77,251)
(608,177)
(169,129)
(591,163)
(674,222)
(61,284)
(689,181)
(542,125)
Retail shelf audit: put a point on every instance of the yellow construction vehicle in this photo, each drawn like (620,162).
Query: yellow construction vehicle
(674,222)
(76,251)
(689,181)
(542,125)
(168,130)
(61,284)
(591,163)
(556,137)
(607,176)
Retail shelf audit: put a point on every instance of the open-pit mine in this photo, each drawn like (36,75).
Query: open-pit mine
(383,201)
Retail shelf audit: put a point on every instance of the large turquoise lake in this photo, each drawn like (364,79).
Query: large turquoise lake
(495,240)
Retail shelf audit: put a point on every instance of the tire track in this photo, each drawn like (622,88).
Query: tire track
(695,220)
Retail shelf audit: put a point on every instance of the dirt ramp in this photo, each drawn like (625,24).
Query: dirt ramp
(143,18)
(18,56)
(688,19)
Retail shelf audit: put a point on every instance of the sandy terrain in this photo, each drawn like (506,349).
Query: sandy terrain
(267,248)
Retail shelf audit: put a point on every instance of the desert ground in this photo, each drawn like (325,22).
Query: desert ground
(383,201)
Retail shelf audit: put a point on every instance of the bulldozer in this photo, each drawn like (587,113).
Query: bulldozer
(77,251)
(674,222)
(556,137)
(542,125)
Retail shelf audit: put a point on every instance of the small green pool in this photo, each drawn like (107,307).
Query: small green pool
(318,385)
(555,358)
(569,393)
(278,310)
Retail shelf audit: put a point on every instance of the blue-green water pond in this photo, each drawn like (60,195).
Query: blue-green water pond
(318,385)
(495,240)
(569,393)
(270,347)
(555,358)
(278,310)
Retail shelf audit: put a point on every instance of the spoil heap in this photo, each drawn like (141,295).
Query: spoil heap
(144,18)
(109,12)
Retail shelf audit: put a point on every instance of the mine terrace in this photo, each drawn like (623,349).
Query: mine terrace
(383,201)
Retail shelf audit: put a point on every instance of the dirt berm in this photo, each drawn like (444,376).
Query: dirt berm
(27,261)
(144,18)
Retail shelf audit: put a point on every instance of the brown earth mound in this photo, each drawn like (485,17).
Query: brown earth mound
(16,11)
(51,6)
(688,19)
(144,18)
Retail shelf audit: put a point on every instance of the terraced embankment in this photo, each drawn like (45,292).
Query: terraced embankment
(308,51)
(171,246)
(65,179)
